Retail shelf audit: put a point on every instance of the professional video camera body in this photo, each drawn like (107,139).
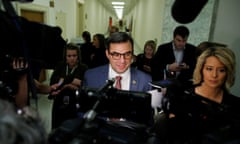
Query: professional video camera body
(40,45)
(107,115)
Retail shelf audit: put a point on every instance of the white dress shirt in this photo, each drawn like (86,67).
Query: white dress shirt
(126,77)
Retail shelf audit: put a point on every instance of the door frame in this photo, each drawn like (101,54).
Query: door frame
(34,7)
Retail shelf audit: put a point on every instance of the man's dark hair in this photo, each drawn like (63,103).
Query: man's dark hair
(119,37)
(87,36)
(101,40)
(182,31)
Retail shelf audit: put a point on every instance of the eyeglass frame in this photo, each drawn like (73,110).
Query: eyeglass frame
(117,56)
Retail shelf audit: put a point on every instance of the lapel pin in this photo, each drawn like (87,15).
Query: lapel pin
(134,82)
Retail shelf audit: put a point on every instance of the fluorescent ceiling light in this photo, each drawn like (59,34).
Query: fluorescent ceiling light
(118,7)
(118,3)
(119,13)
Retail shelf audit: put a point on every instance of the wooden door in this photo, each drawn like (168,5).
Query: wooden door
(35,16)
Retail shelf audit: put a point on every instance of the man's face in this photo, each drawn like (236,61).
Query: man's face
(120,56)
(179,41)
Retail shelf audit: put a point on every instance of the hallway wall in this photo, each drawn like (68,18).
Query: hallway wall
(226,29)
(96,17)
(153,20)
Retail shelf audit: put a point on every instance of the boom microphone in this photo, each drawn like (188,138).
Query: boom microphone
(185,11)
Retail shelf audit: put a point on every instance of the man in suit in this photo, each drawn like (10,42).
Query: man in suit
(119,51)
(175,59)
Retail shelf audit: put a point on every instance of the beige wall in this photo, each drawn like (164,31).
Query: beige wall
(147,22)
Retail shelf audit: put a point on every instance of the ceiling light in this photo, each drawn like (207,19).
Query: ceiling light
(118,3)
(119,13)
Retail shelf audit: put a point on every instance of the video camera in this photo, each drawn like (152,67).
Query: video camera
(107,115)
(130,105)
(40,45)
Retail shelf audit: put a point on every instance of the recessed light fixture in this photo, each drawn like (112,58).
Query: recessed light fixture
(119,13)
(119,6)
(118,3)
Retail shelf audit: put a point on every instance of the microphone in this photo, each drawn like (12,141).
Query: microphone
(105,87)
(185,11)
(91,114)
(61,83)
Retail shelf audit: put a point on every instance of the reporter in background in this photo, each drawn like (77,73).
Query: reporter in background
(98,56)
(175,59)
(66,78)
(143,60)
(86,48)
(208,112)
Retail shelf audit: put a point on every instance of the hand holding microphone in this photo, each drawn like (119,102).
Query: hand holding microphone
(56,88)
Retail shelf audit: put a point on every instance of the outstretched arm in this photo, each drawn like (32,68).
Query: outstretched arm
(21,97)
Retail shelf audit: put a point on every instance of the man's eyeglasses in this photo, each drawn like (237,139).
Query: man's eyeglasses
(117,56)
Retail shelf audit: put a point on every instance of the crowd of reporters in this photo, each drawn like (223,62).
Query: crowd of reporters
(200,109)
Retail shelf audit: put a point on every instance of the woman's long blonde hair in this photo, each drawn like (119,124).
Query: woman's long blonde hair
(226,56)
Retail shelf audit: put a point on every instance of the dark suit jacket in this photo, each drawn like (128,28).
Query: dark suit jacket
(96,78)
(165,55)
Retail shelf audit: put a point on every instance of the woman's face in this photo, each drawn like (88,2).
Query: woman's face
(72,58)
(149,51)
(214,73)
(95,42)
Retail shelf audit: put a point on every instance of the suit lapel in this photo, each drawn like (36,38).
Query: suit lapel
(133,82)
(104,72)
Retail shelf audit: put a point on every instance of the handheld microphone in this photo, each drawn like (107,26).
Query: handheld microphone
(105,87)
(185,11)
(61,83)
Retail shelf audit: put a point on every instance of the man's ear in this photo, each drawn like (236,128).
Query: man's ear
(107,53)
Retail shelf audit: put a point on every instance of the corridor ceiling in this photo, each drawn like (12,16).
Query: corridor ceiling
(129,5)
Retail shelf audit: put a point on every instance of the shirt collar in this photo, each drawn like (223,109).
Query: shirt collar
(113,74)
(174,48)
